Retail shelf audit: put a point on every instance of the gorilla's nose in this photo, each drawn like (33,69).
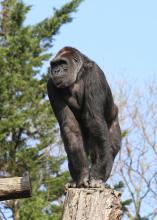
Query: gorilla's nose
(57,70)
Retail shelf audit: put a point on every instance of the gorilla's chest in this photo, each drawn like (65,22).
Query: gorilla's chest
(73,97)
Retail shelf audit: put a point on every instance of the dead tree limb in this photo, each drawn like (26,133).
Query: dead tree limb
(15,188)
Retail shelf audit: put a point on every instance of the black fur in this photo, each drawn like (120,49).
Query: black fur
(83,105)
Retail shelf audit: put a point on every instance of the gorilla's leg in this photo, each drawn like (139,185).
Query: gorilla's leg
(101,152)
(104,149)
(115,136)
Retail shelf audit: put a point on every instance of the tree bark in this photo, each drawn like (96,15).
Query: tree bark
(14,188)
(92,204)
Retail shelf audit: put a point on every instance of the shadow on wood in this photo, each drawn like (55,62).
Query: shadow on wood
(92,204)
(15,187)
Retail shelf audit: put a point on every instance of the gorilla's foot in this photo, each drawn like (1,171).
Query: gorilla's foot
(71,184)
(83,183)
(94,183)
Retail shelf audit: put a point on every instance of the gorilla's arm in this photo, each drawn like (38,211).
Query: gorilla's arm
(71,134)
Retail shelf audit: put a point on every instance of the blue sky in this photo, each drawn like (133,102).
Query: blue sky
(121,36)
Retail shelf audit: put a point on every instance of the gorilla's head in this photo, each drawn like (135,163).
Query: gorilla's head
(66,66)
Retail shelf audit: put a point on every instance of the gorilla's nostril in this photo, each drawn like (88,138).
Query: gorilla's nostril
(57,70)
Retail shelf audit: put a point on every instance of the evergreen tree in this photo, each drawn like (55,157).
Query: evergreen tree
(26,121)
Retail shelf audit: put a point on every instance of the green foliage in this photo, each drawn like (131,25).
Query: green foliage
(27,122)
(125,133)
(125,204)
(119,186)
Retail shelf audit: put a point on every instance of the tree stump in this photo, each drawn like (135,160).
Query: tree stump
(92,204)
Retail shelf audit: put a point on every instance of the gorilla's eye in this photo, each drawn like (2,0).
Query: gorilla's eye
(58,63)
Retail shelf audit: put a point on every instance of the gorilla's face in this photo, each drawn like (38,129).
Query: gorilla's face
(65,67)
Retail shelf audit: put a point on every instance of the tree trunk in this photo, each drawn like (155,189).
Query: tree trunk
(15,187)
(92,204)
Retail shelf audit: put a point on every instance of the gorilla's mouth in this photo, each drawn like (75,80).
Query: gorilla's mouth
(59,80)
(60,83)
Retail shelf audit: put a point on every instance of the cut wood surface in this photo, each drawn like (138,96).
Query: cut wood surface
(15,187)
(92,204)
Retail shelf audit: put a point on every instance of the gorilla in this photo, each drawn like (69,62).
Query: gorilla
(88,117)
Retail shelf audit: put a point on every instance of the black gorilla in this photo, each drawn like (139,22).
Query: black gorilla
(83,105)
